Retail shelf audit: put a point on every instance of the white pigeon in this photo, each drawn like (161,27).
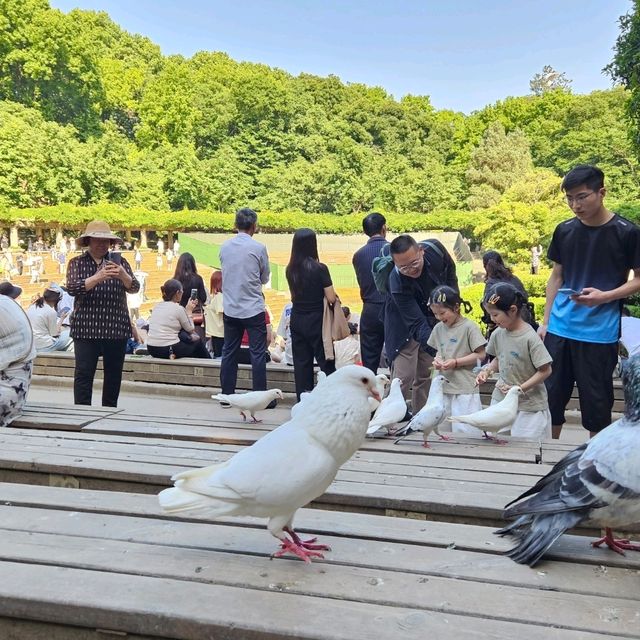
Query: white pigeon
(381,382)
(430,416)
(599,482)
(321,378)
(391,410)
(496,416)
(289,466)
(249,402)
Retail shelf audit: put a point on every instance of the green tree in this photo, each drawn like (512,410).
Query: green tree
(549,80)
(498,161)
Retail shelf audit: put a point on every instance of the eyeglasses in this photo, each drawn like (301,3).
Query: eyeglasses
(411,266)
(579,199)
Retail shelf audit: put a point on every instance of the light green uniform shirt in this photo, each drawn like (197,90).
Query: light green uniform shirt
(520,354)
(457,341)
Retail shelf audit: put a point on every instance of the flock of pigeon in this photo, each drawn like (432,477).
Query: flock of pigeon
(599,481)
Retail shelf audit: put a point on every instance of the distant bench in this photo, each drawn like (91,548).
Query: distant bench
(196,372)
(189,372)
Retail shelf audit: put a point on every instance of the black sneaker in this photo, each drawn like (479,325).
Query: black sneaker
(272,405)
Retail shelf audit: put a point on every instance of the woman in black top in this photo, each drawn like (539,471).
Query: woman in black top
(496,271)
(309,284)
(187,274)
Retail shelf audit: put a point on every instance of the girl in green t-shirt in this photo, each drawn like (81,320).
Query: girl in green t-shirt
(521,359)
(460,347)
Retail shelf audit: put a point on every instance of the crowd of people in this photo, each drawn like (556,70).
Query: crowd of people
(412,319)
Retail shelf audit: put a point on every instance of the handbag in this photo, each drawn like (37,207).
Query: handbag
(198,319)
(339,325)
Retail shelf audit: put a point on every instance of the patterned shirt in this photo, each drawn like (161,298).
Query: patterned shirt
(100,313)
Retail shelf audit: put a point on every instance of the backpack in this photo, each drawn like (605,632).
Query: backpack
(382,266)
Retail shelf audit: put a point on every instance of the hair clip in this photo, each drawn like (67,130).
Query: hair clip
(493,299)
(441,297)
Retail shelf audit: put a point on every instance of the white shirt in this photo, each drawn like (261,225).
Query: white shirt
(630,337)
(44,321)
(245,268)
(167,318)
(16,335)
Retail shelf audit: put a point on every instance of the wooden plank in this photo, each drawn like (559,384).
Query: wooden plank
(197,611)
(372,585)
(68,423)
(442,535)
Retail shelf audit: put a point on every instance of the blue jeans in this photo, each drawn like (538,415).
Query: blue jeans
(233,330)
(64,342)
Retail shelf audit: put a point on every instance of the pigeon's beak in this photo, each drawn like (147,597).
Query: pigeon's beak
(376,394)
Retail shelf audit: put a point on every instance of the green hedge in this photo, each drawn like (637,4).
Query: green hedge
(189,220)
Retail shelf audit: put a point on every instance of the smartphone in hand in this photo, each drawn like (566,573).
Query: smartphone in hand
(115,257)
(570,292)
(194,294)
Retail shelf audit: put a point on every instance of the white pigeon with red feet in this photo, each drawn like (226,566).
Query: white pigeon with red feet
(289,466)
(250,402)
(430,416)
(391,410)
(495,417)
(599,482)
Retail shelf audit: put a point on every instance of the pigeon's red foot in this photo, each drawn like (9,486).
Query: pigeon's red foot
(244,417)
(255,420)
(447,438)
(307,544)
(289,546)
(493,439)
(426,445)
(617,545)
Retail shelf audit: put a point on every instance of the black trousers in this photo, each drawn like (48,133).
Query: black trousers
(590,366)
(233,330)
(371,335)
(180,350)
(306,344)
(87,353)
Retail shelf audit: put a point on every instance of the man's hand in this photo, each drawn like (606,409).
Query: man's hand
(591,297)
(542,331)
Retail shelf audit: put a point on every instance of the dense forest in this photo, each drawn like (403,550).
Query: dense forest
(93,115)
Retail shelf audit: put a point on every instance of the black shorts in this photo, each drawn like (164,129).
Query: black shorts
(590,365)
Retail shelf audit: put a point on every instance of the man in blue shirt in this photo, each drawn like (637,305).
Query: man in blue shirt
(371,320)
(592,255)
(245,268)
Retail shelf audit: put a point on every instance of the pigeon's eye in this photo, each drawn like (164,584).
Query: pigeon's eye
(364,380)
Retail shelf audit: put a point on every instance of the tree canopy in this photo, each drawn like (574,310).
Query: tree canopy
(91,115)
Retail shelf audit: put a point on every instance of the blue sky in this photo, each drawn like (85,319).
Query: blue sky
(464,54)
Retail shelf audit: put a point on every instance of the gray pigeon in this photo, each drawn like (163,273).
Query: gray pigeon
(599,481)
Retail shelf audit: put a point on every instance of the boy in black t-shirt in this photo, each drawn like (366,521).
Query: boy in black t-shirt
(592,255)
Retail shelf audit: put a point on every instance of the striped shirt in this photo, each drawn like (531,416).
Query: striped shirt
(100,313)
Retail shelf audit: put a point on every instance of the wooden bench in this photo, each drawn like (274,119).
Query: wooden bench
(190,372)
(455,481)
(195,372)
(78,564)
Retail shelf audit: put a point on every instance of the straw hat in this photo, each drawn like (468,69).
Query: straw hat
(97,229)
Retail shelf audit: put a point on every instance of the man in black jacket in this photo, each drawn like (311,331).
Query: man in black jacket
(371,324)
(419,268)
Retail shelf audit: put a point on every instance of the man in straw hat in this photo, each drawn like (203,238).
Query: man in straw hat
(99,279)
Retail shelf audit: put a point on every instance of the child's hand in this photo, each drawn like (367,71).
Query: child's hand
(437,364)
(503,387)
(482,377)
(447,365)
